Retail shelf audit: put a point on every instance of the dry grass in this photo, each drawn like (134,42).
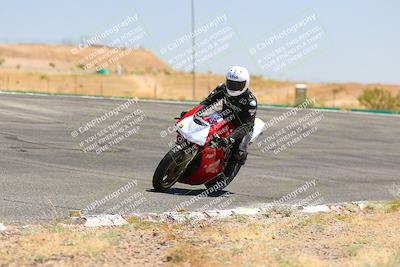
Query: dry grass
(364,238)
(61,59)
(54,69)
(320,240)
(54,243)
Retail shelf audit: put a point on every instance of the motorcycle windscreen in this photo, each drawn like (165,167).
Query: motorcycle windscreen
(192,131)
(213,118)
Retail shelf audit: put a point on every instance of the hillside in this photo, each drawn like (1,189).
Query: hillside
(67,69)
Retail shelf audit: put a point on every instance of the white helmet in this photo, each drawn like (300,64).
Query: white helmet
(237,80)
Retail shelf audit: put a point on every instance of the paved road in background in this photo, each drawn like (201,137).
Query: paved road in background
(44,172)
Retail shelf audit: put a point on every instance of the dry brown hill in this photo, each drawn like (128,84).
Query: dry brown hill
(66,58)
(68,69)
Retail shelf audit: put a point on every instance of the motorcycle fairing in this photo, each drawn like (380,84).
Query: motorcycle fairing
(193,131)
(211,163)
(210,160)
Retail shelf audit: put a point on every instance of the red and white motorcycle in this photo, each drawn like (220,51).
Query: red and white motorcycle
(196,158)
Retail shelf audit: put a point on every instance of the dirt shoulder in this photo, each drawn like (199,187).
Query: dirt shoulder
(368,237)
(57,69)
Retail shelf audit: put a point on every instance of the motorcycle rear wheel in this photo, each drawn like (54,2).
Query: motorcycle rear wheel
(168,172)
(213,182)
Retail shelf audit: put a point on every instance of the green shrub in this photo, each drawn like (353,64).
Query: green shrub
(80,66)
(379,98)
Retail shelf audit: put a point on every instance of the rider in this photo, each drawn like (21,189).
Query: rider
(239,101)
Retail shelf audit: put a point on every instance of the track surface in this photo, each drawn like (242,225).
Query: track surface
(44,173)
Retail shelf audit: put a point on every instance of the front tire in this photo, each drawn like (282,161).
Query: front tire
(167,172)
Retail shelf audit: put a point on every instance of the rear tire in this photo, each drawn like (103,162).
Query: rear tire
(167,172)
(213,182)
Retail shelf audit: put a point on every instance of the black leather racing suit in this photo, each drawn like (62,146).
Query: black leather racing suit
(241,111)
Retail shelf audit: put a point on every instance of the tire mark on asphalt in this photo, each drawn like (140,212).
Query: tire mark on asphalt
(35,204)
(14,137)
(73,169)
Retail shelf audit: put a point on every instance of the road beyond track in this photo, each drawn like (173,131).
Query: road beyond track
(44,172)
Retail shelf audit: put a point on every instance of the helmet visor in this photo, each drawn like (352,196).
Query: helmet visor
(234,85)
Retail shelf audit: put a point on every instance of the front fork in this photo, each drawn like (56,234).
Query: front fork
(189,151)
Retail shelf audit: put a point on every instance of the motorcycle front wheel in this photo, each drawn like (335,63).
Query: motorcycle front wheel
(168,170)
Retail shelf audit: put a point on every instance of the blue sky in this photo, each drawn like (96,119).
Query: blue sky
(360,43)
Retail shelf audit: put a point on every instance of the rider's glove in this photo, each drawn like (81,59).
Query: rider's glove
(183,113)
(225,142)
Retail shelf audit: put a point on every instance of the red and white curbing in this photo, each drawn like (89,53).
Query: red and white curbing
(196,216)
(104,220)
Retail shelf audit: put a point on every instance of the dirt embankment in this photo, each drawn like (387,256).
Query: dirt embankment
(66,69)
(351,237)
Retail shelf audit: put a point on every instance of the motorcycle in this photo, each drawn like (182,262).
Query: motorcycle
(197,158)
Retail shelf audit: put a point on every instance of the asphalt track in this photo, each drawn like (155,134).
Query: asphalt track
(44,172)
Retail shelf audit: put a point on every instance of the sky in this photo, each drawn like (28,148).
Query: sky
(315,41)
